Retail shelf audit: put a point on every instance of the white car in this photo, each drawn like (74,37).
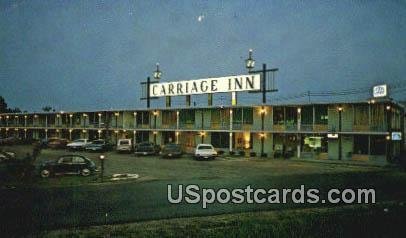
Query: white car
(124,145)
(78,144)
(205,151)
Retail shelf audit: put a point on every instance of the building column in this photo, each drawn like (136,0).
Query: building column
(298,137)
(231,130)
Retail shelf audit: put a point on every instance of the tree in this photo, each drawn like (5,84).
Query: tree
(47,109)
(3,105)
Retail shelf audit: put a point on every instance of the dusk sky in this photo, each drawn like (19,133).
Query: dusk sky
(88,55)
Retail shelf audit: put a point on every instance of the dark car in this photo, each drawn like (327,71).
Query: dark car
(57,143)
(68,164)
(146,148)
(99,145)
(171,151)
(7,155)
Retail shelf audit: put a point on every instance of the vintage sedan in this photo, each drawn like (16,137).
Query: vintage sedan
(98,145)
(171,151)
(68,164)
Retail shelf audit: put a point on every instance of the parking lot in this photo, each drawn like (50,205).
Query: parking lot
(184,168)
(75,201)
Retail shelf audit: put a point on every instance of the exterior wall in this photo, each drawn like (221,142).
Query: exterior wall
(114,125)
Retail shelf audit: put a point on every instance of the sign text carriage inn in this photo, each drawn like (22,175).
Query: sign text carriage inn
(204,86)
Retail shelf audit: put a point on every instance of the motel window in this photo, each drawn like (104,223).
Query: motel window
(291,115)
(142,136)
(220,139)
(361,114)
(377,116)
(378,145)
(243,115)
(307,115)
(360,144)
(321,115)
(247,115)
(220,117)
(278,116)
(143,118)
(168,117)
(237,115)
(187,117)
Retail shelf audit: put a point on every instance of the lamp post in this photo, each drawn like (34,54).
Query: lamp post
(101,158)
(262,130)
(157,75)
(389,126)
(340,109)
(250,64)
(155,113)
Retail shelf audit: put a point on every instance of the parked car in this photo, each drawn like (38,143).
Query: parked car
(68,164)
(9,140)
(171,150)
(78,144)
(205,151)
(57,143)
(146,148)
(99,145)
(124,145)
(7,155)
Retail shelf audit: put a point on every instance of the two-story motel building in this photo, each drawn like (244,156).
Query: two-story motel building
(336,131)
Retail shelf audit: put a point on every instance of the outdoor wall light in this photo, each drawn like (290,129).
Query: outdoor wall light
(84,131)
(16,117)
(116,132)
(250,62)
(299,110)
(101,157)
(155,132)
(7,117)
(58,116)
(6,129)
(387,137)
(70,130)
(262,135)
(57,131)
(116,114)
(70,115)
(262,111)
(99,131)
(25,129)
(155,113)
(388,107)
(177,113)
(231,111)
(16,129)
(99,114)
(135,114)
(202,133)
(177,133)
(340,109)
(157,72)
(84,114)
(24,116)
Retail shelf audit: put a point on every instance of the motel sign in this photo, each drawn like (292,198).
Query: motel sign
(210,85)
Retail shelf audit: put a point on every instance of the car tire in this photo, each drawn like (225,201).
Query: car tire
(45,173)
(85,172)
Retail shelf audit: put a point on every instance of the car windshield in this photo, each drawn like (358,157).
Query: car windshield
(204,147)
(124,142)
(98,142)
(172,146)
